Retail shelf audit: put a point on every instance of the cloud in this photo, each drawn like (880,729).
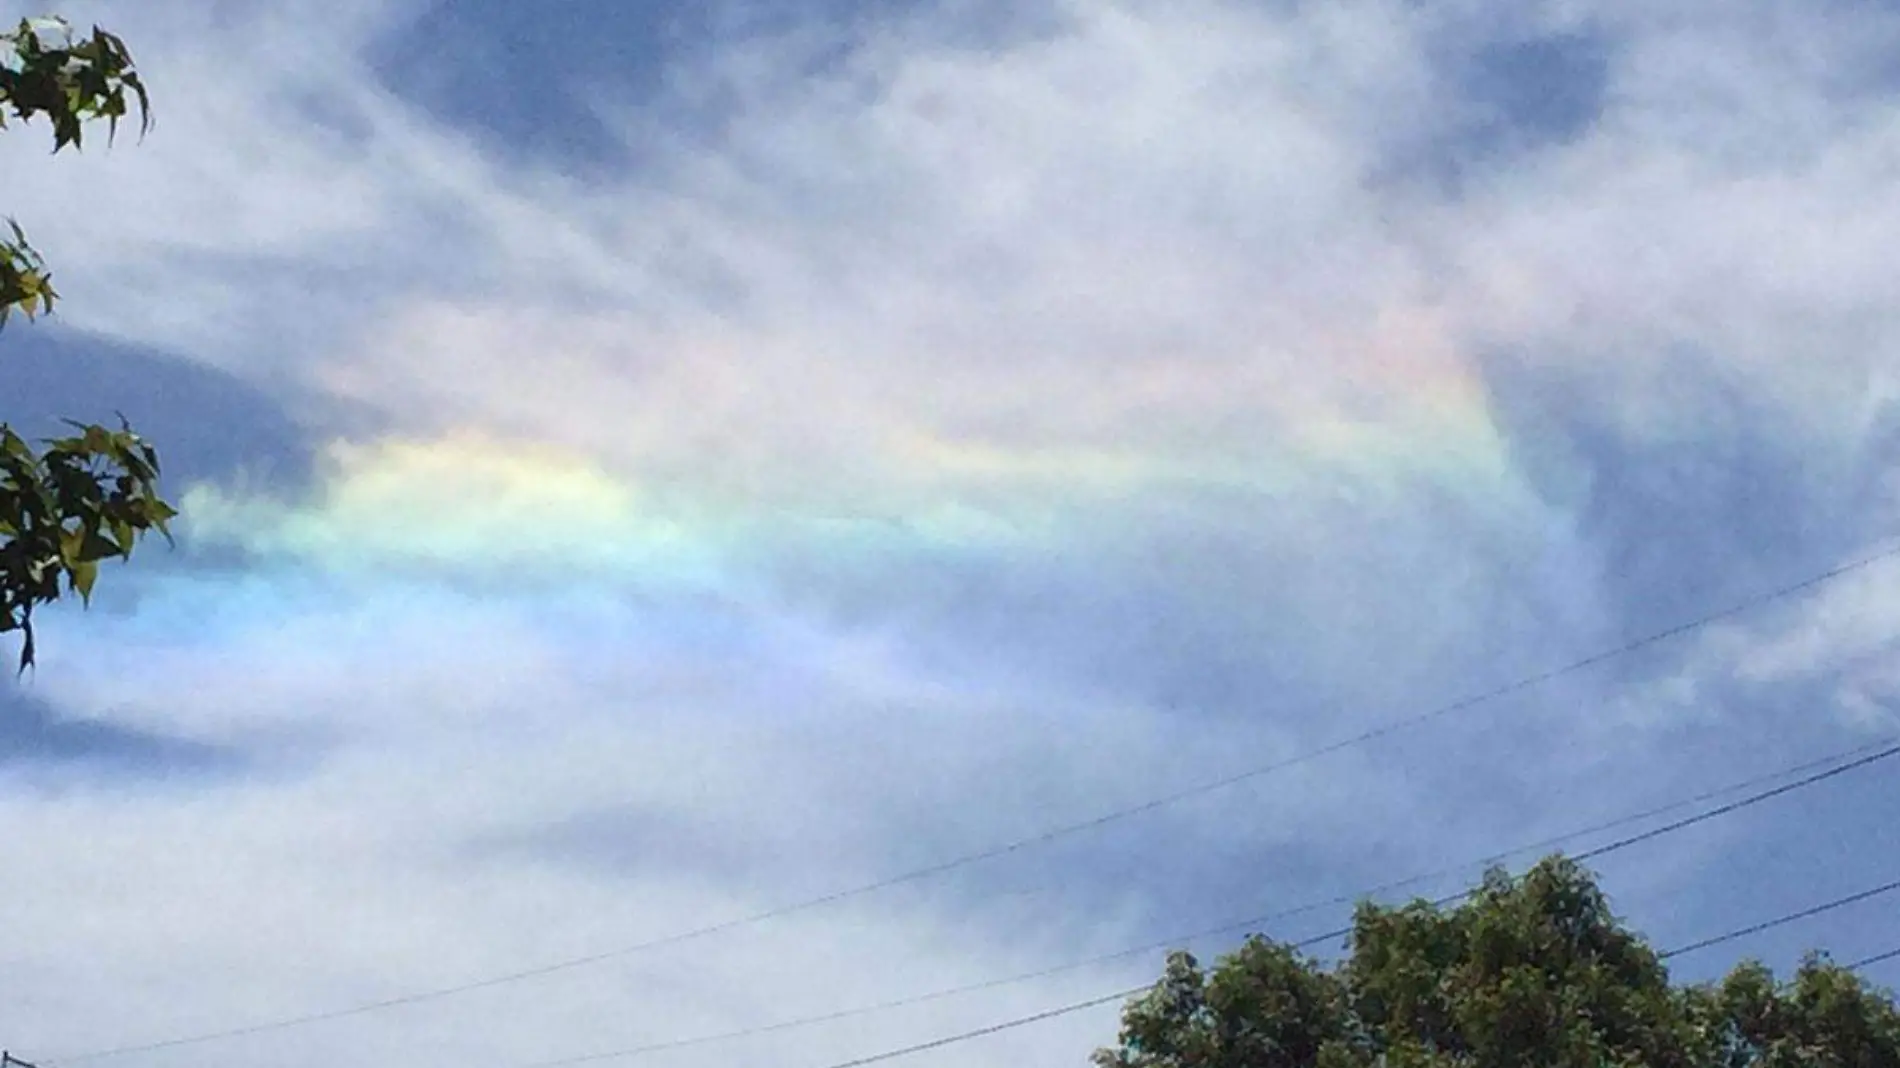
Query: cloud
(920,439)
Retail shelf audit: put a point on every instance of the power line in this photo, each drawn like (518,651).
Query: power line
(1687,802)
(1781,921)
(1079,1006)
(1865,755)
(981,1032)
(1878,958)
(1040,838)
(1722,810)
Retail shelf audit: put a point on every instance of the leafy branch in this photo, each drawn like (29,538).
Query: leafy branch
(46,70)
(93,495)
(85,498)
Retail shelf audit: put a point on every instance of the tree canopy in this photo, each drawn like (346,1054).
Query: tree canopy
(72,501)
(1530,972)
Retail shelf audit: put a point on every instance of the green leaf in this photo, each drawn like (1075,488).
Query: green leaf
(83,575)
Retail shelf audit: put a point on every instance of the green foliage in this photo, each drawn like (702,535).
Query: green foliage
(69,80)
(1824,1016)
(93,495)
(46,70)
(84,499)
(24,283)
(1534,971)
(1264,1005)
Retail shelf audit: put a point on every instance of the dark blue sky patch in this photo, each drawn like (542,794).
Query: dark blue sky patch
(1726,497)
(528,82)
(1507,93)
(519,78)
(1537,91)
(206,424)
(33,735)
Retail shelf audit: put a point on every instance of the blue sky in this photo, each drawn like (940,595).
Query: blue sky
(648,464)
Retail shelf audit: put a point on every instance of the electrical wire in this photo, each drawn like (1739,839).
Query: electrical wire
(1861,756)
(1782,921)
(1878,958)
(1040,838)
(982,1032)
(1753,799)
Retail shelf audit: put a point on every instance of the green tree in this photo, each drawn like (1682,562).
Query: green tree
(1531,972)
(73,501)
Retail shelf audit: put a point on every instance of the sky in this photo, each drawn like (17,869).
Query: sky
(648,465)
